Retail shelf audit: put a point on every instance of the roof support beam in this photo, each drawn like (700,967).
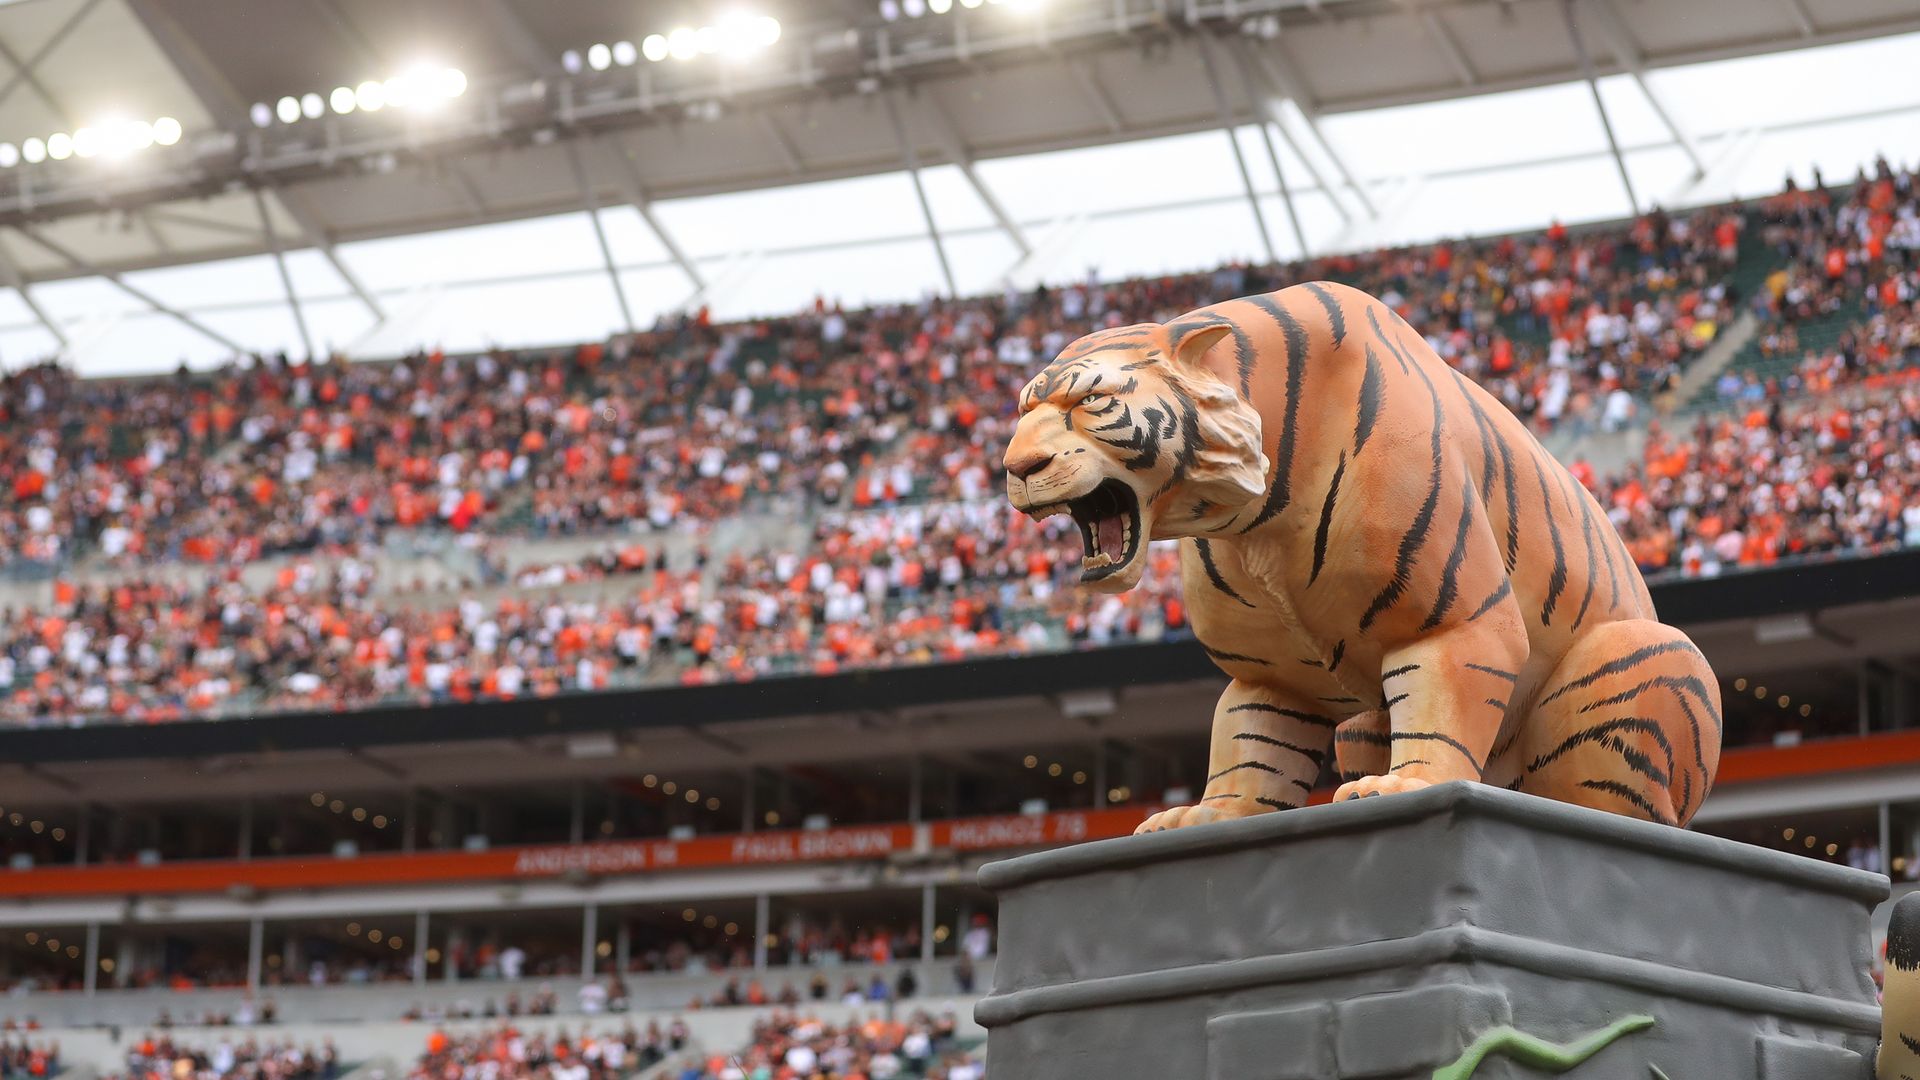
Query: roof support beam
(24,72)
(1263,105)
(1449,47)
(962,157)
(1239,159)
(295,206)
(592,200)
(1097,96)
(286,279)
(1280,75)
(12,275)
(1620,40)
(789,155)
(1802,18)
(1599,106)
(146,298)
(911,157)
(637,196)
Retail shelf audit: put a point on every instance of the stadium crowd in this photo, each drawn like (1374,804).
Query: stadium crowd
(164,1058)
(796,1046)
(507,1053)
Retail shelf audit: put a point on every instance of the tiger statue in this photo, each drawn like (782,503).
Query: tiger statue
(1381,558)
(1899,1056)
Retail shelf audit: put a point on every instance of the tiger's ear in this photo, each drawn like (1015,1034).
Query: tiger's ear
(1195,343)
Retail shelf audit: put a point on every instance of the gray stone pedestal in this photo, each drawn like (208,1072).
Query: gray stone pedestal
(1380,938)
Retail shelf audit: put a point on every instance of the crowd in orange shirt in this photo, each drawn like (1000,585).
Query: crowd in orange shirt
(795,1046)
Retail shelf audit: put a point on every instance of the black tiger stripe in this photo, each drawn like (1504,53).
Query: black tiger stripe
(1416,535)
(1616,788)
(1313,663)
(1336,316)
(1326,519)
(1608,538)
(1616,666)
(1275,804)
(1205,548)
(1339,650)
(1557,581)
(1499,438)
(1680,685)
(1435,736)
(1229,657)
(1362,735)
(1498,673)
(1341,700)
(1498,594)
(1481,425)
(1396,672)
(1607,734)
(1280,494)
(1410,764)
(1386,342)
(1912,1043)
(1395,700)
(1303,785)
(1318,757)
(1257,766)
(1243,357)
(1223,795)
(1497,703)
(1314,719)
(1449,583)
(1586,541)
(1372,394)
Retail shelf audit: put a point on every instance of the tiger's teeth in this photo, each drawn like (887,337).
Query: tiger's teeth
(1095,562)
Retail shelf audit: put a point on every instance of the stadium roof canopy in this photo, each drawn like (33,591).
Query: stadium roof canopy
(971,122)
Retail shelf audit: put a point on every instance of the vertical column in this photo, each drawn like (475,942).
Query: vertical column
(746,800)
(92,961)
(83,834)
(622,947)
(762,915)
(926,928)
(916,788)
(420,948)
(589,937)
(1886,839)
(448,969)
(1099,774)
(408,810)
(579,830)
(256,939)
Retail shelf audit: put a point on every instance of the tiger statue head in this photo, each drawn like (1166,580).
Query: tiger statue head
(1129,433)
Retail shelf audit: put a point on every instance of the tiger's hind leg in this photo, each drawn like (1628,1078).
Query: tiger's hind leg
(1363,746)
(1628,722)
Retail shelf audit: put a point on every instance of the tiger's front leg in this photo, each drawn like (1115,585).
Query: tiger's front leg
(1267,750)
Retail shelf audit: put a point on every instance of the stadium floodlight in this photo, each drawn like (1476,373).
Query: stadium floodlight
(707,40)
(312,106)
(599,57)
(970,3)
(570,61)
(890,10)
(33,151)
(137,135)
(681,44)
(288,110)
(262,114)
(87,142)
(371,95)
(624,53)
(453,83)
(9,155)
(59,146)
(654,47)
(939,7)
(166,131)
(913,9)
(341,100)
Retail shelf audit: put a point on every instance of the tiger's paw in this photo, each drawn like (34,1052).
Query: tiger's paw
(1179,817)
(1368,786)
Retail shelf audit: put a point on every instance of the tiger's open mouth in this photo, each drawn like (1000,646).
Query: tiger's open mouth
(1109,520)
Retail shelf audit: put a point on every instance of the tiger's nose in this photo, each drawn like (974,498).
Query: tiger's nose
(1026,465)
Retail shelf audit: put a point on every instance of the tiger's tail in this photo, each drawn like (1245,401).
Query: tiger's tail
(1900,998)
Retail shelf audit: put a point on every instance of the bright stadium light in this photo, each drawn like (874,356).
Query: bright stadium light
(706,40)
(9,155)
(654,47)
(166,131)
(913,9)
(262,114)
(371,95)
(890,10)
(33,151)
(570,60)
(682,44)
(87,142)
(288,110)
(341,100)
(312,106)
(137,136)
(769,29)
(939,7)
(453,82)
(624,53)
(599,57)
(59,146)
(970,3)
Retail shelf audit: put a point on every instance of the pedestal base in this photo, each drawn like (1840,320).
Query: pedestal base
(1413,935)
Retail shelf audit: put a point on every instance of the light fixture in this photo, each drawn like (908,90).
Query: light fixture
(59,146)
(166,131)
(624,53)
(341,100)
(913,9)
(570,61)
(682,43)
(654,47)
(599,57)
(939,7)
(371,95)
(890,10)
(9,155)
(453,82)
(706,40)
(288,110)
(312,106)
(33,151)
(262,114)
(87,142)
(138,135)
